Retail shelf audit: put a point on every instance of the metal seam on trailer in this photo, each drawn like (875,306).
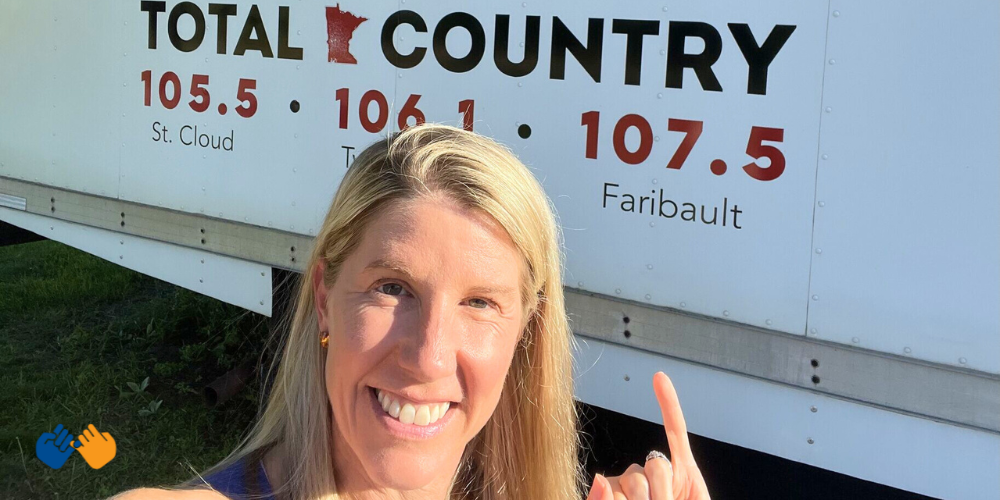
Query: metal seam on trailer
(944,393)
(939,392)
(235,239)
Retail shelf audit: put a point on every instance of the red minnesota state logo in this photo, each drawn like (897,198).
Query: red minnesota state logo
(340,26)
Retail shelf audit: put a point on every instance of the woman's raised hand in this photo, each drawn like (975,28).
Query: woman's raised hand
(659,480)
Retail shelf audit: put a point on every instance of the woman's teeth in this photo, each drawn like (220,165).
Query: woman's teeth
(412,414)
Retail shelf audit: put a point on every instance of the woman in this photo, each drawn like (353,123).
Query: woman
(429,354)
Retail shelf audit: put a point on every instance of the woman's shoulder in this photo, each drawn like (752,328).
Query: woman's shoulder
(245,476)
(236,479)
(159,494)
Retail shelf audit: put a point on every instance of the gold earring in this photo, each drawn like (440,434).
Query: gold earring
(324,339)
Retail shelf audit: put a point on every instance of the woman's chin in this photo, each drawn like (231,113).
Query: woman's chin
(403,471)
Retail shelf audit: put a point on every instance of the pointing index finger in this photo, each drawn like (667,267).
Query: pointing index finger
(601,489)
(673,418)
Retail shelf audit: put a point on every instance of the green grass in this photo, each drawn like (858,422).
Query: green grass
(74,331)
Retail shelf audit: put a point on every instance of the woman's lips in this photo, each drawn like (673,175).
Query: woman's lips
(405,422)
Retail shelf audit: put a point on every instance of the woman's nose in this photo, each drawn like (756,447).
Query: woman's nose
(428,351)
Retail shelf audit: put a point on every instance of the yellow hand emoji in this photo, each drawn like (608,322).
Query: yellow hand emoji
(97,448)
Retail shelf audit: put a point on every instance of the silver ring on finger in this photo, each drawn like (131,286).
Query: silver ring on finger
(656,454)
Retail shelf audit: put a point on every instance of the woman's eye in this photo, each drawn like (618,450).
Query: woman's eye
(484,303)
(390,288)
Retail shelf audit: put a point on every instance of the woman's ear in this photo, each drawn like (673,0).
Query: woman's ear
(319,293)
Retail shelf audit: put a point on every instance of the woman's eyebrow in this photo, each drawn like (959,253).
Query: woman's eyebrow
(492,290)
(390,265)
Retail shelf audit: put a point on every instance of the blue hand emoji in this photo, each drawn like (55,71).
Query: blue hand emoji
(53,448)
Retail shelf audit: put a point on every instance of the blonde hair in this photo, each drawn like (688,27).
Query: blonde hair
(529,448)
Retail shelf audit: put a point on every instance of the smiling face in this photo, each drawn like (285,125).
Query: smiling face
(424,318)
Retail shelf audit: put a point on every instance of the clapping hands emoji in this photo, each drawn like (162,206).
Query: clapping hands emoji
(97,448)
(53,448)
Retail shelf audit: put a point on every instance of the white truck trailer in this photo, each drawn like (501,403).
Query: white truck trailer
(791,207)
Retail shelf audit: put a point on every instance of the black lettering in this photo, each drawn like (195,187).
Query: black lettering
(389,48)
(630,201)
(688,213)
(671,202)
(634,30)
(348,156)
(186,143)
(284,51)
(702,63)
(715,214)
(199,26)
(588,56)
(254,25)
(642,200)
(759,58)
(606,195)
(221,11)
(501,46)
(736,211)
(470,60)
(154,8)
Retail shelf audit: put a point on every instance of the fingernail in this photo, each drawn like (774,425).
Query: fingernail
(599,478)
